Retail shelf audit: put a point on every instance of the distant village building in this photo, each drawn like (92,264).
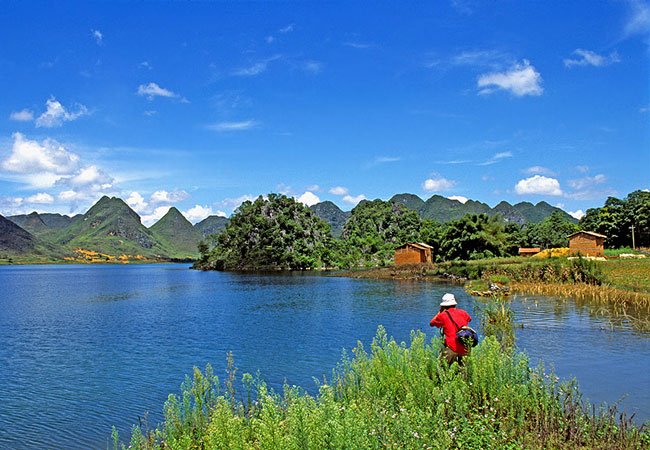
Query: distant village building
(413,253)
(529,251)
(587,243)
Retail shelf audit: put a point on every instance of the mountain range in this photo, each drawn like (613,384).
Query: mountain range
(111,230)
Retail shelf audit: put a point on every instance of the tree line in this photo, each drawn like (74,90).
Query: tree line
(276,231)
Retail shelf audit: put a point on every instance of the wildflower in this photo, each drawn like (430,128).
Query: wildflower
(394,415)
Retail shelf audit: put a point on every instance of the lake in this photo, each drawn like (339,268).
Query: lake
(84,347)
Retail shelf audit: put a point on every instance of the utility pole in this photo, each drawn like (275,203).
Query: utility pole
(633,246)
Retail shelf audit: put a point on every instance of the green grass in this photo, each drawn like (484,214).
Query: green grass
(396,396)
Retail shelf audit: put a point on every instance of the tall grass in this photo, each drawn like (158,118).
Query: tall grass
(498,320)
(397,396)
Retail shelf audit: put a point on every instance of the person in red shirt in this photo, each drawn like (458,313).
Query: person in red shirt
(451,319)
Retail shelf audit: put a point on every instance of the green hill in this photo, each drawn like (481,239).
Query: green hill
(211,225)
(509,213)
(110,226)
(177,234)
(542,210)
(19,245)
(33,223)
(411,201)
(333,215)
(443,210)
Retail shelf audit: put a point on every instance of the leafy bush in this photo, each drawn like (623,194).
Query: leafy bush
(398,396)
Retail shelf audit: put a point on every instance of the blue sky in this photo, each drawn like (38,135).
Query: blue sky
(202,105)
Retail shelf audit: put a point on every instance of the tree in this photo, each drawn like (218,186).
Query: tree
(375,228)
(552,232)
(276,232)
(474,236)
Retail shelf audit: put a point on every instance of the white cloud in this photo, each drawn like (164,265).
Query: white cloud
(42,198)
(538,184)
(233,126)
(235,202)
(9,205)
(92,177)
(99,37)
(582,169)
(56,114)
(522,79)
(149,219)
(460,198)
(308,198)
(257,68)
(496,158)
(358,45)
(287,29)
(437,183)
(314,187)
(581,183)
(30,157)
(579,214)
(538,170)
(136,202)
(197,213)
(22,116)
(353,200)
(589,58)
(152,90)
(313,67)
(480,58)
(639,19)
(160,197)
(269,39)
(338,190)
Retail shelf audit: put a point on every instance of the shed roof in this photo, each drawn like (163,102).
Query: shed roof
(587,232)
(419,245)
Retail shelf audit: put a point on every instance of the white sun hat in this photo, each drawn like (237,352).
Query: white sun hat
(448,300)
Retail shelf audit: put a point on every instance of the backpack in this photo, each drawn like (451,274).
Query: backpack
(465,335)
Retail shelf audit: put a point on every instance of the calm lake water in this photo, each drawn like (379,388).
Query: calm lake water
(83,348)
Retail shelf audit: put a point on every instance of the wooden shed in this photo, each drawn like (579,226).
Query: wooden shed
(587,243)
(529,251)
(413,253)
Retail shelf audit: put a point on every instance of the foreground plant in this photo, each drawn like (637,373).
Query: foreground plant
(396,396)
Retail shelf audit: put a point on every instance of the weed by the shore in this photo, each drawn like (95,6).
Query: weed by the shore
(398,396)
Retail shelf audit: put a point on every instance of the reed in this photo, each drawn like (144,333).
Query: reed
(397,396)
(498,320)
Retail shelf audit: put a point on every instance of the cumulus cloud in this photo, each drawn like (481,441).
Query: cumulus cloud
(308,198)
(589,58)
(42,198)
(30,157)
(163,196)
(22,116)
(136,202)
(538,170)
(338,190)
(56,114)
(581,183)
(90,177)
(157,214)
(522,79)
(437,183)
(538,184)
(353,200)
(197,213)
(459,198)
(233,126)
(152,90)
(235,202)
(579,214)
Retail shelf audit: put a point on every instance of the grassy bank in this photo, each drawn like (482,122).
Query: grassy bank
(395,396)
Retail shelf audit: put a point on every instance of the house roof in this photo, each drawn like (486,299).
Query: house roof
(587,232)
(418,245)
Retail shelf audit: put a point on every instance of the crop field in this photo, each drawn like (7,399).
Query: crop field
(628,274)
